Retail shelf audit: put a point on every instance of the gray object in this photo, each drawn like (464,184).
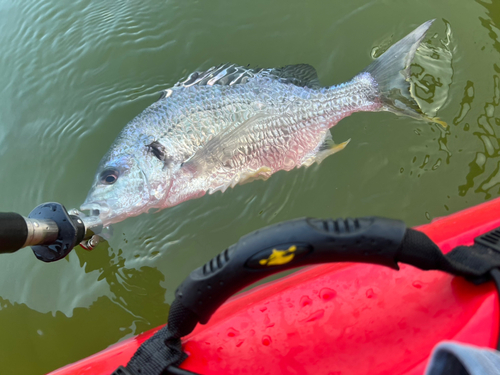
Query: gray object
(460,359)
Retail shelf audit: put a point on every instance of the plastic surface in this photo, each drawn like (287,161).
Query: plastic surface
(13,232)
(341,318)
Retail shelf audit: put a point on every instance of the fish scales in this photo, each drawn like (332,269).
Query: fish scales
(275,152)
(231,125)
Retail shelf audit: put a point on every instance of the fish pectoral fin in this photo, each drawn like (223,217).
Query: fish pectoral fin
(329,148)
(219,151)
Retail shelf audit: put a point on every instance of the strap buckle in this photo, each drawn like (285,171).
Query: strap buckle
(491,240)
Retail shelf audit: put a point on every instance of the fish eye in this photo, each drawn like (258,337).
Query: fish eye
(109,176)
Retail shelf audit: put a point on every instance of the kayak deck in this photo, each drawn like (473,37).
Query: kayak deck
(340,318)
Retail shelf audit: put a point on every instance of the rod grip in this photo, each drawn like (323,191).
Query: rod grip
(13,232)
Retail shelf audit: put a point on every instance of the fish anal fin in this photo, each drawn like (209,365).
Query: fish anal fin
(327,148)
(322,155)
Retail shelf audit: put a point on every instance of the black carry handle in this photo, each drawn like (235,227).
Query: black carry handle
(281,247)
(255,256)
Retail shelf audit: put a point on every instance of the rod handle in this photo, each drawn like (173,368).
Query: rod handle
(13,232)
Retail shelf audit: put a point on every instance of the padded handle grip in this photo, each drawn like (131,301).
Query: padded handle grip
(284,246)
(13,232)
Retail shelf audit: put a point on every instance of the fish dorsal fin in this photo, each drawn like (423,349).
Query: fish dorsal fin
(231,74)
(303,75)
(225,74)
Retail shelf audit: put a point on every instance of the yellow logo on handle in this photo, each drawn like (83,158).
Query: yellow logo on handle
(279,257)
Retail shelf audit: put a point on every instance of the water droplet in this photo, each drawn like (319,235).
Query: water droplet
(314,316)
(417,284)
(266,340)
(267,322)
(305,301)
(262,309)
(231,332)
(327,294)
(370,293)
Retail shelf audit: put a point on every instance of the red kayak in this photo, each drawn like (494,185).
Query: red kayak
(343,318)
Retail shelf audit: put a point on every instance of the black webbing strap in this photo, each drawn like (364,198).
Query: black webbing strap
(472,262)
(161,353)
(477,263)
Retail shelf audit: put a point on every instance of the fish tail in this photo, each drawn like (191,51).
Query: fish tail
(391,72)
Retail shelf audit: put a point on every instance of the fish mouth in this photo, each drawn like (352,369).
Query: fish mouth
(96,208)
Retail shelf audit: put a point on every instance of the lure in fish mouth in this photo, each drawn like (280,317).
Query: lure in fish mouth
(231,124)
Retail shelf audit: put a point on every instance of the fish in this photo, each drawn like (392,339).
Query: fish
(230,125)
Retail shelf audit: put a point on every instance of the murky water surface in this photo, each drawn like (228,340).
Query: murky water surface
(73,73)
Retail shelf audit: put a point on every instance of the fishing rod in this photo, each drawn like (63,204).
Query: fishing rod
(50,230)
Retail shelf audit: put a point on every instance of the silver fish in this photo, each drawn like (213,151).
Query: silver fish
(231,124)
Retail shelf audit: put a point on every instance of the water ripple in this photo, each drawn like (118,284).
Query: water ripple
(74,72)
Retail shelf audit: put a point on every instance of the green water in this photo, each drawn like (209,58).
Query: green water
(74,72)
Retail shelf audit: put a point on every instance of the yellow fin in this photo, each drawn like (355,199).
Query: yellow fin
(333,148)
(339,147)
